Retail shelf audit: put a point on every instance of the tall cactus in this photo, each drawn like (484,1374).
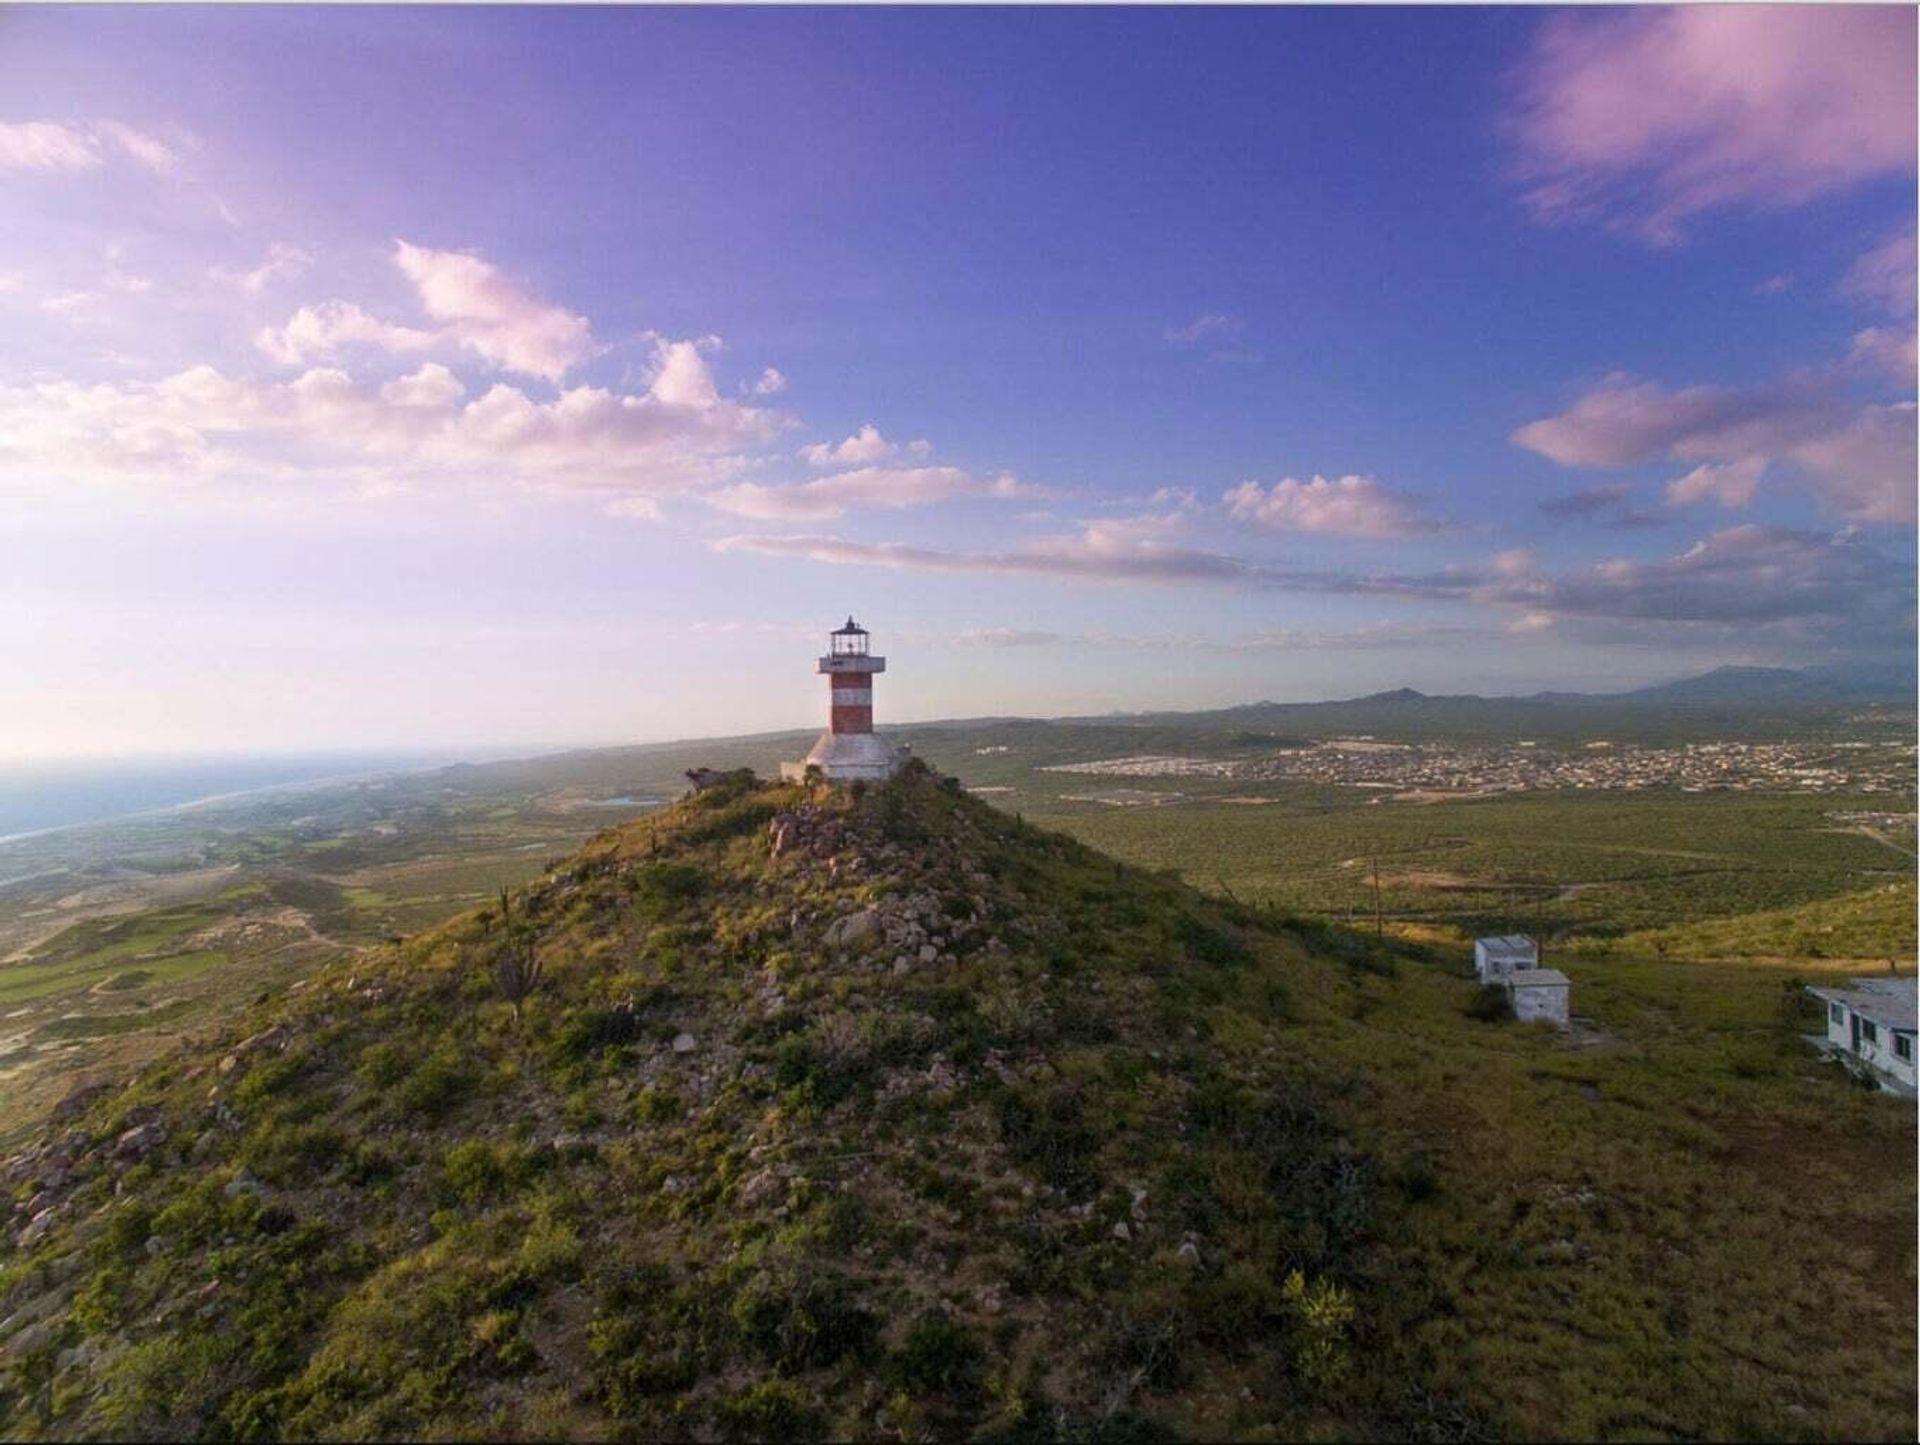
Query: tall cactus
(517,966)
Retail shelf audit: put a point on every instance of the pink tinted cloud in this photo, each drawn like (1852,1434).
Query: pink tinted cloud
(1858,460)
(1350,506)
(1647,118)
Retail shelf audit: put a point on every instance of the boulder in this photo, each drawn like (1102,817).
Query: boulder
(854,929)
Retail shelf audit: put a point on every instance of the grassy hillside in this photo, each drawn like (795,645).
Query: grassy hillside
(884,1115)
(1875,924)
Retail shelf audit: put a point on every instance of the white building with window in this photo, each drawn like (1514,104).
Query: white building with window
(1872,1020)
(1512,961)
(1497,959)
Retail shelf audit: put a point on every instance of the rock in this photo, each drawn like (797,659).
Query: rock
(1189,1253)
(1121,1232)
(902,964)
(38,1226)
(139,1141)
(273,1038)
(244,1183)
(928,953)
(684,1043)
(854,929)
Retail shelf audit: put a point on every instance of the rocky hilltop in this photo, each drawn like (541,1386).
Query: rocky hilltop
(784,1113)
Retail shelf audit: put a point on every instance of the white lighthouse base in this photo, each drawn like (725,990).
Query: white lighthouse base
(843,757)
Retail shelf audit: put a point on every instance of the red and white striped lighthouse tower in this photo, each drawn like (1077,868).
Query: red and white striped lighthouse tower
(848,748)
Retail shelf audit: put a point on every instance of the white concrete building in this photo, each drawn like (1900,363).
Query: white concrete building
(1540,993)
(1871,1020)
(1496,958)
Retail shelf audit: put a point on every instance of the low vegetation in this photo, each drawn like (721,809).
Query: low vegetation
(876,1113)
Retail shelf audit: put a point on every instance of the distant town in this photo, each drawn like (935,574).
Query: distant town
(1465,768)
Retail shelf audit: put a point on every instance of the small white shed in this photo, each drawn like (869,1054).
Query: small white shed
(1495,959)
(1539,993)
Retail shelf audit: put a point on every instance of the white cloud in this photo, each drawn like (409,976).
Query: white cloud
(50,146)
(482,308)
(864,446)
(1349,506)
(1859,461)
(891,487)
(283,262)
(1889,350)
(1214,326)
(319,333)
(1743,577)
(326,428)
(154,154)
(771,383)
(1885,276)
(1650,116)
(1004,637)
(1731,484)
(431,386)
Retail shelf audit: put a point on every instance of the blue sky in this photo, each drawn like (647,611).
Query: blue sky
(477,377)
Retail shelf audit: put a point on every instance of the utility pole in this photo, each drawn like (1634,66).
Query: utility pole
(1379,928)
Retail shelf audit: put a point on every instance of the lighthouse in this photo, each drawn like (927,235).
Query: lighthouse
(848,748)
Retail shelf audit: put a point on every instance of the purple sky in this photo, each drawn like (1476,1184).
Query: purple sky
(438,377)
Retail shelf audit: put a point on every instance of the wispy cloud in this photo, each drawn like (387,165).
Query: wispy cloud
(1213,327)
(825,498)
(1349,506)
(283,262)
(1884,275)
(1646,118)
(1611,503)
(1859,459)
(1744,575)
(1005,637)
(52,147)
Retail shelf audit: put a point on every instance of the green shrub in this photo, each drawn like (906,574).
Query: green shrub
(800,1318)
(591,1031)
(666,883)
(433,1088)
(1047,1131)
(382,1066)
(771,1410)
(1321,1312)
(938,1356)
(478,1171)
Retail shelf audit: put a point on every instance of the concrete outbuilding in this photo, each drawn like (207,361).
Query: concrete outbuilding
(1540,993)
(1494,959)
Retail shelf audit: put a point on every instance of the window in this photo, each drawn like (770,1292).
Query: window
(1869,1033)
(1836,1014)
(1903,1047)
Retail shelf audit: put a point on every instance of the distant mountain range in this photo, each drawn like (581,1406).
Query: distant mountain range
(1812,685)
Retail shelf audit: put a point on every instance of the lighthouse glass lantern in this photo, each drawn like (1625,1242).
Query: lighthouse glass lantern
(848,641)
(848,748)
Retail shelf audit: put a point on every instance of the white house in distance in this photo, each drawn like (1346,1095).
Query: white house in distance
(1495,958)
(1872,1020)
(1513,961)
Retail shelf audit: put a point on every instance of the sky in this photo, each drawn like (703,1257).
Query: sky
(440,377)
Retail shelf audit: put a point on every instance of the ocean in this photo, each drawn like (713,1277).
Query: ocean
(38,796)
